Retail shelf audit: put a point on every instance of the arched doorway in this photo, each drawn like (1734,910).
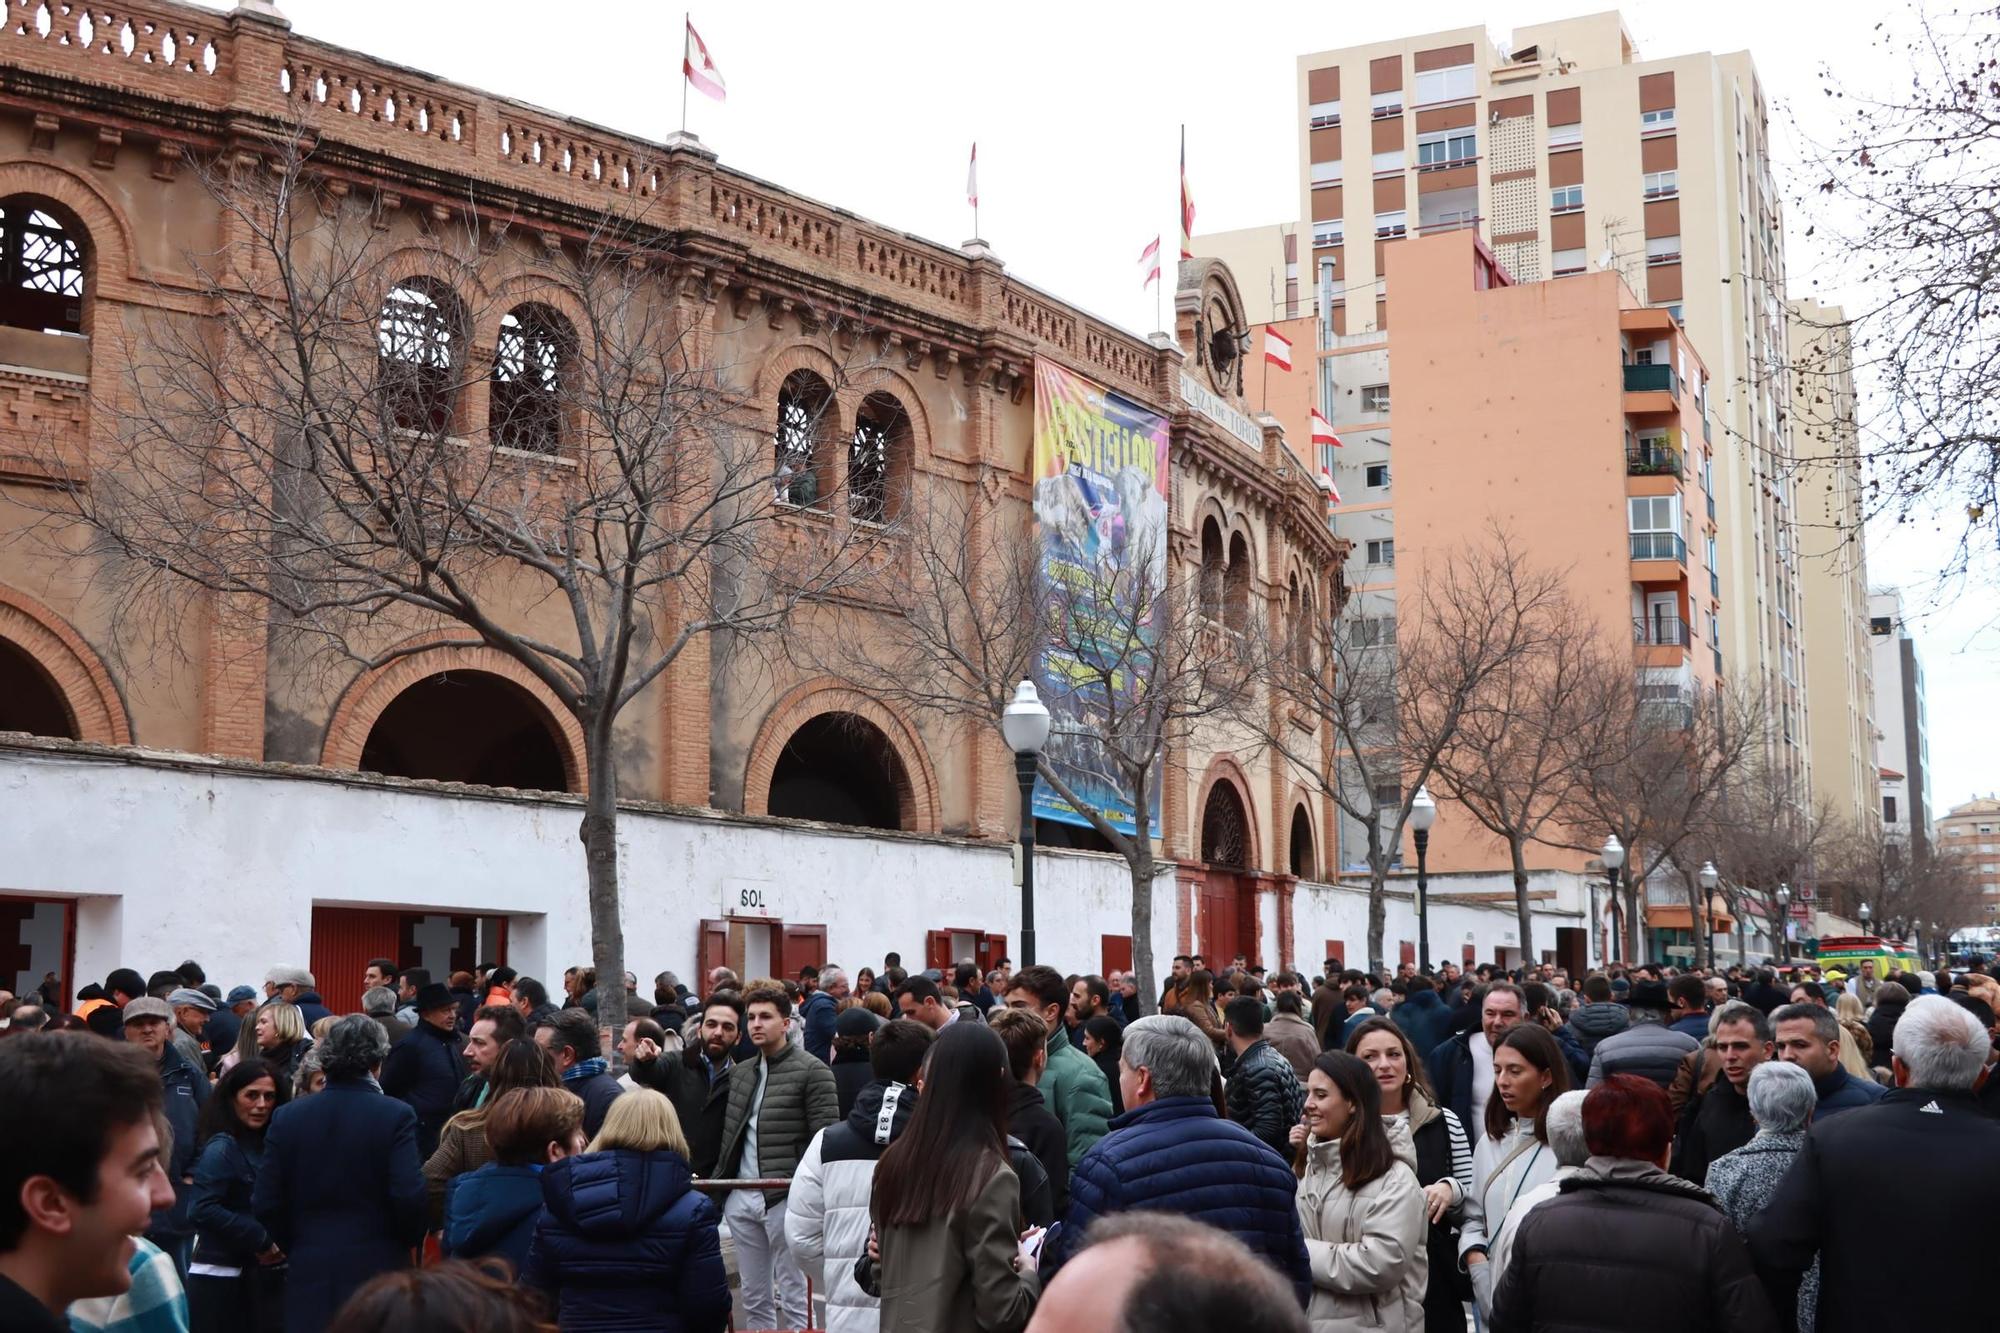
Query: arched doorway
(1228,926)
(840,768)
(30,700)
(1302,859)
(466,726)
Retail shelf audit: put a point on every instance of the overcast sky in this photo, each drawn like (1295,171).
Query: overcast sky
(873,106)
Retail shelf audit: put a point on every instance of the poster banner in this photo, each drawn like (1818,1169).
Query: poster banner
(1100,470)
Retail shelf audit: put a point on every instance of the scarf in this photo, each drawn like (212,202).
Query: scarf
(584,1069)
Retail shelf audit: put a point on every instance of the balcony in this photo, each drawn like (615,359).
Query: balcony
(1662,632)
(1652,458)
(1670,713)
(1659,546)
(1444,222)
(1651,379)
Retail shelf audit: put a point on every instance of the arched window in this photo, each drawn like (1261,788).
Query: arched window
(420,348)
(30,699)
(467,726)
(799,462)
(1236,585)
(536,346)
(41,267)
(842,769)
(1225,828)
(876,458)
(1302,843)
(1211,570)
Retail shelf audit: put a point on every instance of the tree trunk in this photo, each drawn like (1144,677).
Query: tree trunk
(1378,891)
(1522,914)
(1697,916)
(1142,928)
(1635,917)
(600,851)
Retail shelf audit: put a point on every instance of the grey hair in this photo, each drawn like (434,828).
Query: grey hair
(1739,1011)
(667,980)
(1564,1123)
(829,975)
(309,1064)
(354,1045)
(1781,1096)
(378,1000)
(289,976)
(1384,999)
(1182,1061)
(1941,1045)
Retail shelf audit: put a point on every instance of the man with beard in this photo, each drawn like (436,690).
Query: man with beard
(697,1080)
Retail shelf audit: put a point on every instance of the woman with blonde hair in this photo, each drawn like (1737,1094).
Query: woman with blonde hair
(623,1241)
(1858,1046)
(275,1033)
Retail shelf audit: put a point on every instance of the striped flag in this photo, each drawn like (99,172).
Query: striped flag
(699,67)
(1326,478)
(972,177)
(1187,204)
(1277,348)
(1149,264)
(1322,431)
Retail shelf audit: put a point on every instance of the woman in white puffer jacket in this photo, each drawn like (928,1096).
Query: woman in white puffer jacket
(1360,1204)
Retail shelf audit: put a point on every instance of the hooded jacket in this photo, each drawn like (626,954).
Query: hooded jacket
(1588,1025)
(492,1211)
(624,1243)
(1625,1236)
(826,1214)
(1367,1246)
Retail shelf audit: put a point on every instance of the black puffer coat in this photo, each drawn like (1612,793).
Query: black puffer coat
(1264,1095)
(1882,1031)
(1628,1238)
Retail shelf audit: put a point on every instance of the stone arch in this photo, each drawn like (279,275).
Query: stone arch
(883,379)
(369,695)
(918,797)
(1224,771)
(1313,865)
(95,711)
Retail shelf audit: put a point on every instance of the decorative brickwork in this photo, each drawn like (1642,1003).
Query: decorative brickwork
(372,691)
(918,797)
(92,700)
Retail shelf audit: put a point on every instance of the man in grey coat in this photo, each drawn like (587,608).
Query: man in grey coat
(1649,1047)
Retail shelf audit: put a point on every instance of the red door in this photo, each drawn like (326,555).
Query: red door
(937,950)
(711,951)
(991,950)
(344,939)
(1221,918)
(1337,951)
(1117,954)
(797,946)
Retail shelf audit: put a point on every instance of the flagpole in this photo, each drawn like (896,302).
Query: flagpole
(687,21)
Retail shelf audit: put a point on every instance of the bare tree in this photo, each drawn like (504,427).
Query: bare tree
(1649,766)
(1135,661)
(1508,764)
(1397,688)
(1767,830)
(1905,886)
(296,454)
(1904,194)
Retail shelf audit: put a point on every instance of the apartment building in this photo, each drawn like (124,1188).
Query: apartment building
(1569,154)
(1833,565)
(1902,723)
(1973,831)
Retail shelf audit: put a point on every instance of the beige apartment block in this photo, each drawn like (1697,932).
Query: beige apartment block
(1972,830)
(1833,565)
(1568,153)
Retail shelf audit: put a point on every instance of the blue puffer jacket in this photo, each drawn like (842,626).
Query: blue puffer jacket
(492,1211)
(1176,1155)
(625,1243)
(1424,1019)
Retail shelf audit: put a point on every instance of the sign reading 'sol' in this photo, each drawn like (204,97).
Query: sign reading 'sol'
(1100,469)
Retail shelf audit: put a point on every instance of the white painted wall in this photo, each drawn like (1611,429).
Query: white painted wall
(171,857)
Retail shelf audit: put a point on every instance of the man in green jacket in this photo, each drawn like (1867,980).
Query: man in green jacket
(1072,1085)
(777,1102)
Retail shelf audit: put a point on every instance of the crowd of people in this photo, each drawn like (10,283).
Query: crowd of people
(993,1151)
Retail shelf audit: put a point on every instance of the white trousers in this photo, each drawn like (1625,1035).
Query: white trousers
(764,1262)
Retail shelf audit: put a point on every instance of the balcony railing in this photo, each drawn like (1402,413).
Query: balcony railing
(1662,632)
(1659,546)
(1651,379)
(1653,459)
(1673,714)
(1444,222)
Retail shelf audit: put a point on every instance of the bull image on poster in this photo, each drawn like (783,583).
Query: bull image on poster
(1100,469)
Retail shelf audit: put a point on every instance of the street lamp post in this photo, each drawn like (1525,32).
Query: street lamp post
(1423,813)
(1025,725)
(1708,878)
(1784,906)
(1613,854)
